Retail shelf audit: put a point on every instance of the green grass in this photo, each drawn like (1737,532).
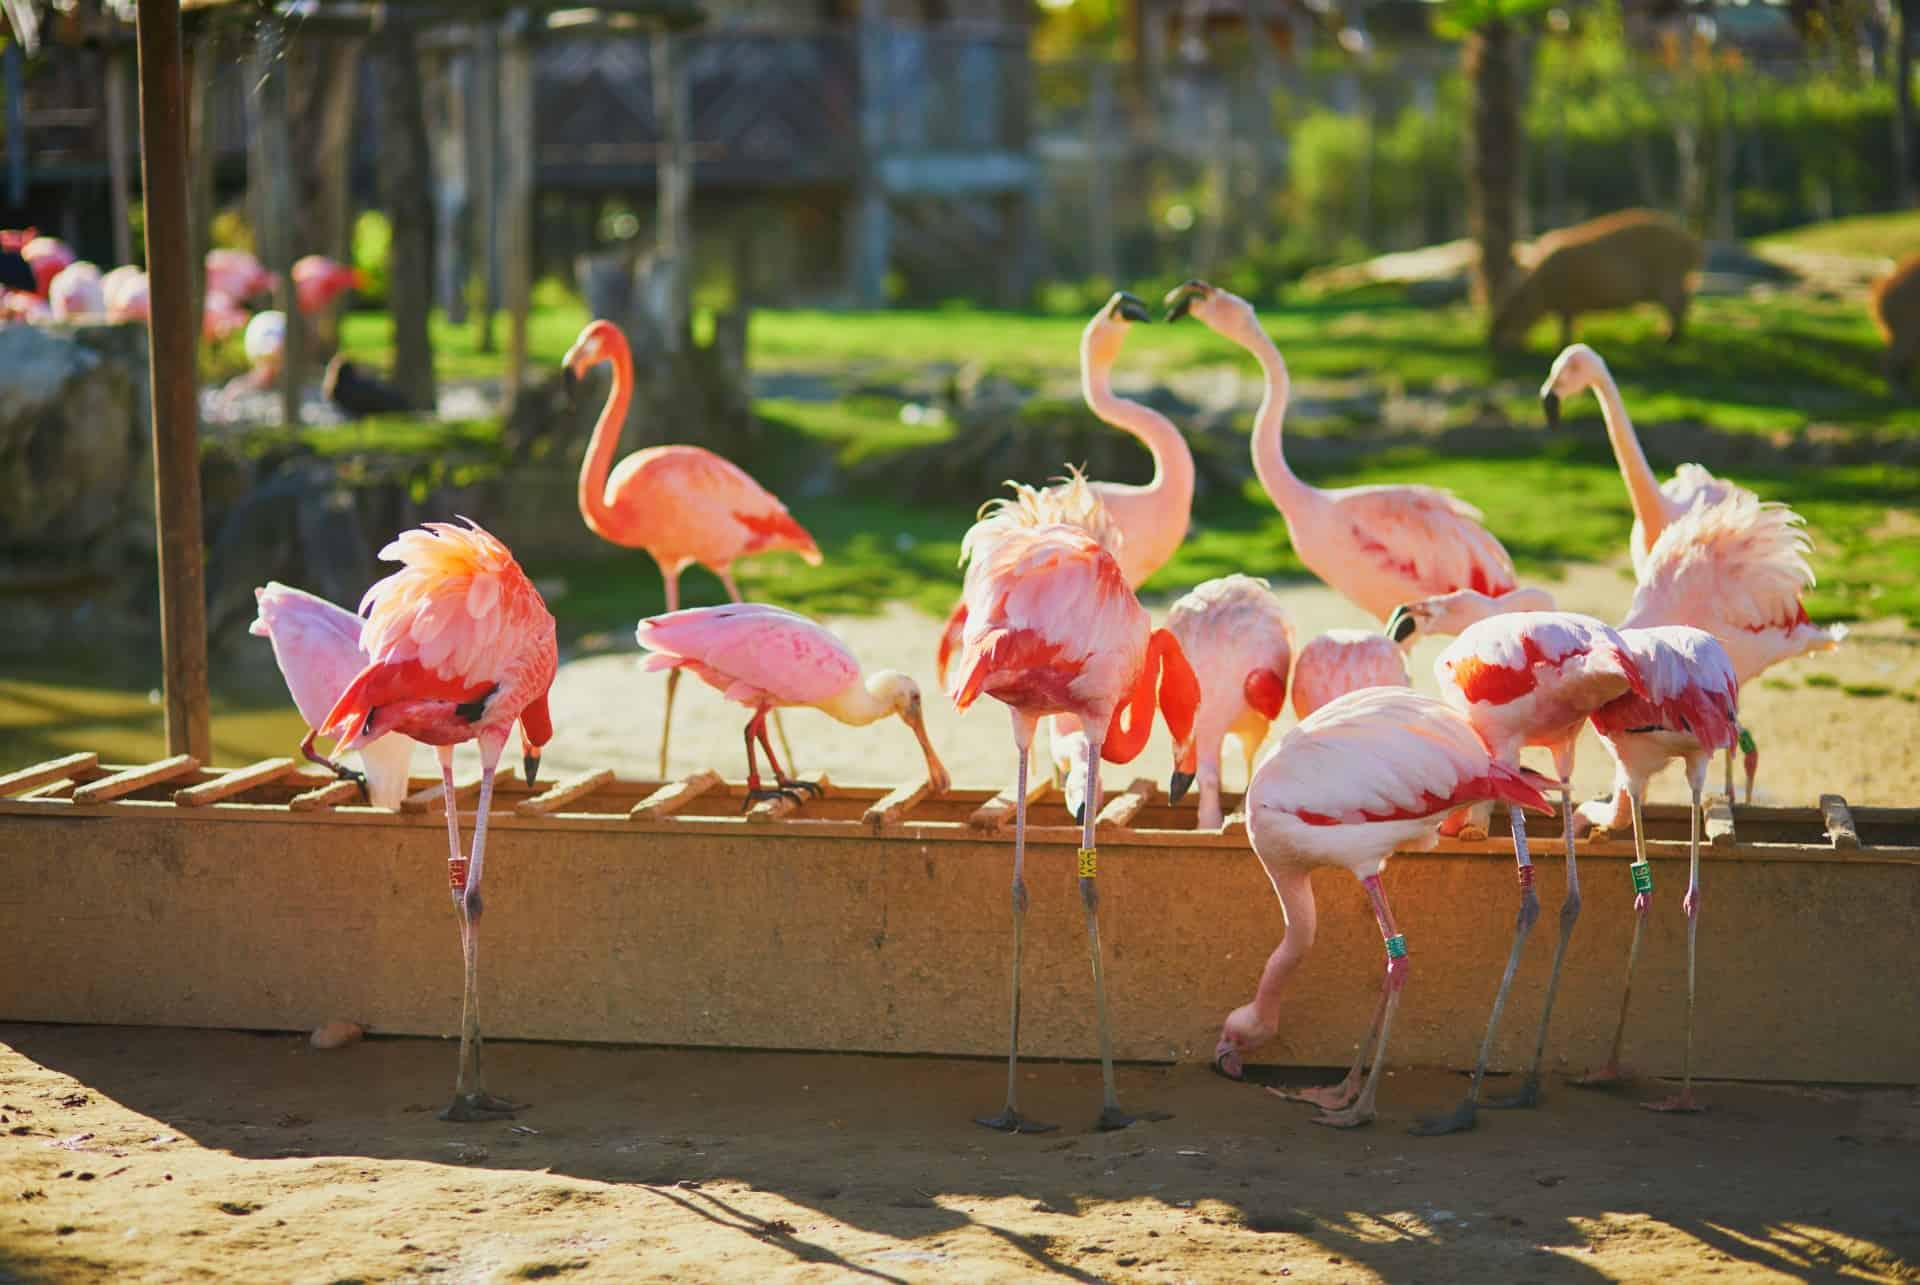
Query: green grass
(1879,236)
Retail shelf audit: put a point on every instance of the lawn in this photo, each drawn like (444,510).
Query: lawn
(1874,236)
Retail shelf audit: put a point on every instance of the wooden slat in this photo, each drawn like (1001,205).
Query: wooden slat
(1720,824)
(896,803)
(1122,808)
(1839,819)
(32,778)
(332,794)
(464,790)
(673,796)
(785,806)
(235,782)
(108,788)
(561,793)
(996,813)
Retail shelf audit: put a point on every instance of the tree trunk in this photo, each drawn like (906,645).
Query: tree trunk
(405,189)
(1493,156)
(325,76)
(1905,12)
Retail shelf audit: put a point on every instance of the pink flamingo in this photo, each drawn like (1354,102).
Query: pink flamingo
(1380,546)
(460,645)
(766,657)
(1341,661)
(220,316)
(1656,505)
(1239,640)
(682,504)
(265,343)
(317,647)
(124,291)
(1690,711)
(238,274)
(1053,628)
(1367,775)
(318,281)
(1449,614)
(77,292)
(48,256)
(1531,678)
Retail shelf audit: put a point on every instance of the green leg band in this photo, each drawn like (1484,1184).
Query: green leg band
(1642,876)
(1397,946)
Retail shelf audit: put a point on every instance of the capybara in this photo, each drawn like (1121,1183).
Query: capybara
(1614,261)
(1896,310)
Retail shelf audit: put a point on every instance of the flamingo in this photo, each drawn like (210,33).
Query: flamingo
(1341,661)
(1152,519)
(765,657)
(1053,628)
(459,645)
(682,504)
(317,647)
(220,316)
(1690,711)
(124,291)
(318,281)
(48,256)
(1531,678)
(265,343)
(1450,614)
(1379,546)
(1367,775)
(238,274)
(1239,640)
(76,292)
(1656,504)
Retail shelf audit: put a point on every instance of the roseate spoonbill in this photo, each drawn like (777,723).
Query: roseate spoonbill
(1380,546)
(1152,519)
(1689,712)
(1341,661)
(1052,628)
(317,647)
(682,504)
(1239,640)
(460,644)
(1531,678)
(48,256)
(76,292)
(1735,568)
(125,292)
(238,274)
(318,281)
(1370,773)
(1656,504)
(764,657)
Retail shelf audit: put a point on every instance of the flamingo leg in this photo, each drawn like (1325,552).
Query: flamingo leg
(1683,1101)
(1529,1094)
(1111,1116)
(786,748)
(1010,1120)
(1333,1097)
(340,770)
(672,581)
(471,1101)
(1642,903)
(1350,1114)
(1462,1117)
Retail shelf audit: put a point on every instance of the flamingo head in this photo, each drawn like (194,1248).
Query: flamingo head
(1448,615)
(1107,329)
(1185,756)
(1244,1030)
(901,694)
(1220,311)
(1575,370)
(600,341)
(536,729)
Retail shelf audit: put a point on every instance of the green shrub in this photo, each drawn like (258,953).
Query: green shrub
(372,251)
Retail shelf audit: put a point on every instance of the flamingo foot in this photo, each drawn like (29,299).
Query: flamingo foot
(1612,1075)
(1458,1120)
(789,784)
(1681,1103)
(474,1108)
(1528,1096)
(1113,1118)
(1351,1116)
(1011,1121)
(1328,1097)
(345,773)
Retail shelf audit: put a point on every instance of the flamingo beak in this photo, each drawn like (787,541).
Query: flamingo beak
(530,766)
(936,771)
(1550,407)
(1402,625)
(1128,307)
(1226,1060)
(1178,786)
(1181,297)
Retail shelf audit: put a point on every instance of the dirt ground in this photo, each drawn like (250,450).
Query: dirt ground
(1815,735)
(151,1155)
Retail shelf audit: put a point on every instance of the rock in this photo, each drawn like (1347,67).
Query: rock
(335,1034)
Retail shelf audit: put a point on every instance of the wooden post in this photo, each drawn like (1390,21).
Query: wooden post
(484,121)
(172,339)
(516,215)
(406,189)
(119,155)
(674,237)
(270,176)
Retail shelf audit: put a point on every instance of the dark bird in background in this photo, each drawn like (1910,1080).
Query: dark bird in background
(358,392)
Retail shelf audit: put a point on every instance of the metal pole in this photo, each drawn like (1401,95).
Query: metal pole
(172,334)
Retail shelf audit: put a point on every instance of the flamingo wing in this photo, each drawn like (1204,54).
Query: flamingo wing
(1426,535)
(770,649)
(1690,687)
(688,496)
(315,643)
(1502,659)
(1737,564)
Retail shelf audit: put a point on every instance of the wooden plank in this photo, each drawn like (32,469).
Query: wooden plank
(1720,833)
(561,793)
(32,778)
(332,794)
(126,781)
(464,790)
(996,813)
(673,796)
(785,806)
(235,782)
(895,804)
(1122,808)
(1840,827)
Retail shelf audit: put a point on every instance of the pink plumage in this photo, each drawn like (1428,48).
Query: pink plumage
(48,256)
(1532,678)
(1239,640)
(1341,661)
(318,281)
(238,274)
(125,293)
(76,292)
(751,653)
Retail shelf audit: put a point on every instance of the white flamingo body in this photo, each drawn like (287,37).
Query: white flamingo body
(1341,661)
(1239,640)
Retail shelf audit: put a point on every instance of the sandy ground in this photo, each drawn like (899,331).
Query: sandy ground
(143,1155)
(1813,739)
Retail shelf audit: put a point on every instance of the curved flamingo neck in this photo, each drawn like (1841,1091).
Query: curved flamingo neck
(1643,489)
(1161,674)
(1172,460)
(1269,458)
(600,515)
(1295,890)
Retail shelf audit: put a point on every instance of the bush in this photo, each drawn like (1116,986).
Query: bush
(372,250)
